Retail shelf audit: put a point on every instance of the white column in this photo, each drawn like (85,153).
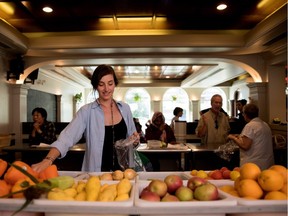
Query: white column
(18,114)
(195,109)
(258,95)
(156,106)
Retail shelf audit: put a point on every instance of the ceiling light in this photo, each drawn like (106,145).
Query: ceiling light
(47,9)
(221,7)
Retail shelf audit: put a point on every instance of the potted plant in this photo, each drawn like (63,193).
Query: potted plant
(78,97)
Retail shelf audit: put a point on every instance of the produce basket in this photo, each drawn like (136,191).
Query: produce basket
(223,201)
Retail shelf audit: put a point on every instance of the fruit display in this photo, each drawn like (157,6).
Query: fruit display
(173,189)
(218,174)
(256,184)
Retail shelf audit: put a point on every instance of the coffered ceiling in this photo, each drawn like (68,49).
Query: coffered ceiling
(148,42)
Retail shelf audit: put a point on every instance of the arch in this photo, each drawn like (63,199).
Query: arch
(140,103)
(175,97)
(205,99)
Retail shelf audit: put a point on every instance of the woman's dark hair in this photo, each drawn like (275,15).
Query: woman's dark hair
(243,102)
(251,111)
(40,110)
(177,110)
(99,72)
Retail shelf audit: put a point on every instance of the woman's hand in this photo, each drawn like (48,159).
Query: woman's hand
(39,167)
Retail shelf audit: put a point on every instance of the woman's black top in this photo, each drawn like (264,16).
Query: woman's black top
(109,154)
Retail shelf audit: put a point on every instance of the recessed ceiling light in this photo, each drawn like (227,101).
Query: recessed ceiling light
(221,7)
(47,9)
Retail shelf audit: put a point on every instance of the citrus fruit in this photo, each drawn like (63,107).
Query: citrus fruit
(227,188)
(270,180)
(193,172)
(236,183)
(282,170)
(202,174)
(275,195)
(250,171)
(250,188)
(234,175)
(284,188)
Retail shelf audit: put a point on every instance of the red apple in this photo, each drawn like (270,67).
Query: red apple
(184,193)
(216,174)
(236,169)
(158,186)
(206,192)
(170,198)
(226,174)
(173,182)
(194,182)
(223,169)
(149,196)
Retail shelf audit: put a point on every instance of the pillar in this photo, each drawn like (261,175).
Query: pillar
(195,109)
(258,95)
(18,114)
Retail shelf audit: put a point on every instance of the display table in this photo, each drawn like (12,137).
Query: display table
(206,159)
(173,153)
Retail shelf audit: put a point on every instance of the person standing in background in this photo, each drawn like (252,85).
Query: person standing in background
(177,112)
(255,140)
(103,122)
(240,118)
(42,131)
(213,126)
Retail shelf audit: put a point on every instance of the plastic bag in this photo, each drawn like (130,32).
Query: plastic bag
(227,150)
(127,154)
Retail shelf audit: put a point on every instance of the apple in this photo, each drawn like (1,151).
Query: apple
(170,198)
(173,182)
(226,174)
(206,192)
(216,174)
(184,193)
(194,182)
(158,186)
(236,169)
(223,169)
(149,196)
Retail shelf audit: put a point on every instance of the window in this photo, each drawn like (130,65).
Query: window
(92,96)
(139,102)
(205,100)
(175,97)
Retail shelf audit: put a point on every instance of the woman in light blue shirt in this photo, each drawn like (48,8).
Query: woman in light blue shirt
(103,122)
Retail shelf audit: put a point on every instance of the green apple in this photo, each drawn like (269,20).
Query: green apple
(184,193)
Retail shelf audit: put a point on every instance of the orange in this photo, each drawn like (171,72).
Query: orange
(4,188)
(270,180)
(282,170)
(234,174)
(233,193)
(249,171)
(194,172)
(227,188)
(275,195)
(236,183)
(284,188)
(250,188)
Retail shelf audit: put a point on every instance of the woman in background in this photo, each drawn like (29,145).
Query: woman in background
(42,131)
(159,130)
(177,112)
